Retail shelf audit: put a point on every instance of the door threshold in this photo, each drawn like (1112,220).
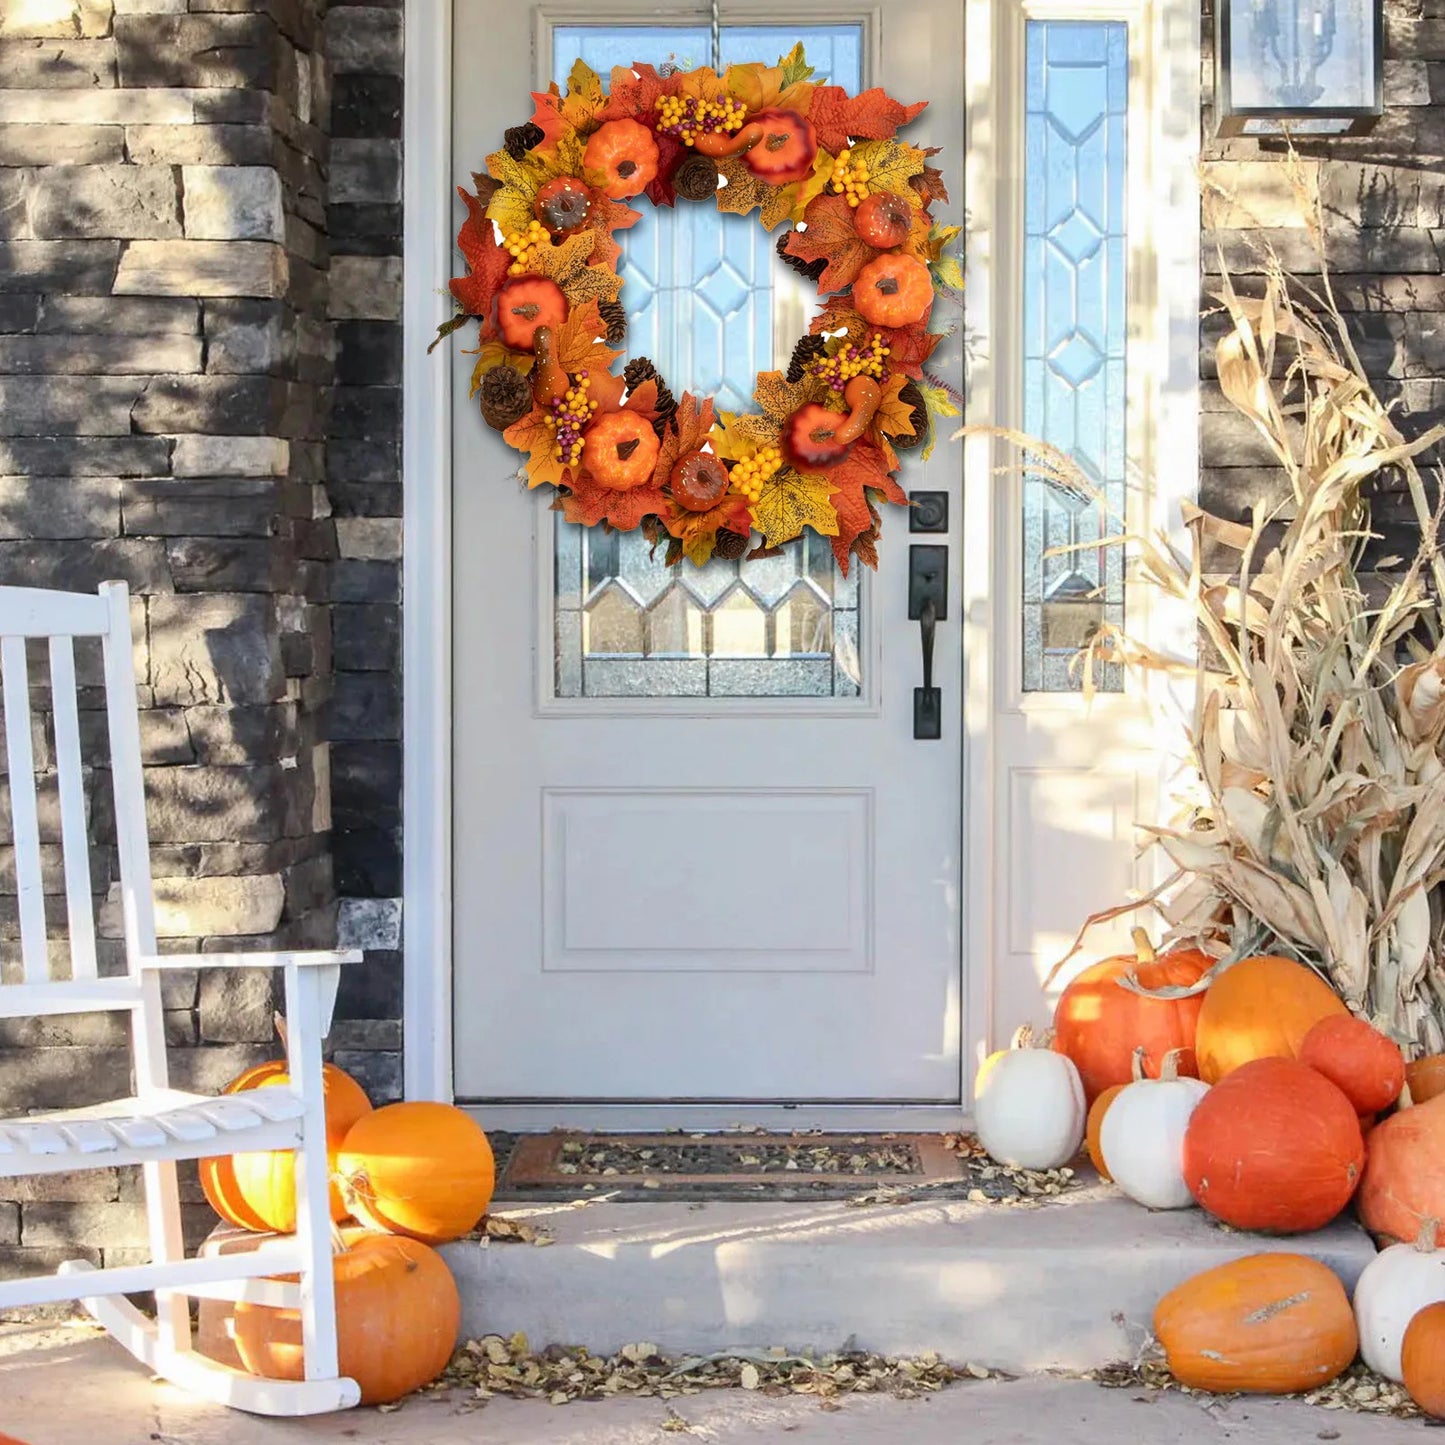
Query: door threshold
(540,1118)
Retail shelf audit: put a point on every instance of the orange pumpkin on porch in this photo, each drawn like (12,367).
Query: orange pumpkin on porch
(1267,1324)
(1422,1357)
(1099,1023)
(1095,1126)
(1358,1059)
(258,1191)
(397,1317)
(1426,1077)
(1404,1183)
(1260,1008)
(1274,1146)
(420,1169)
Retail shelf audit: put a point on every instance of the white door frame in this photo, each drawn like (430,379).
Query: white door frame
(1168,40)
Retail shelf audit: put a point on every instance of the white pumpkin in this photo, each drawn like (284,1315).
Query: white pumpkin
(1142,1137)
(1398,1283)
(1029,1107)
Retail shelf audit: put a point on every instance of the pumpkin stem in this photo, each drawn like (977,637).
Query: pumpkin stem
(1143,949)
(1023,1037)
(1137,1064)
(1169,1069)
(1425,1240)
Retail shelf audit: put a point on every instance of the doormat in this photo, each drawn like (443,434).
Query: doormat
(859,1168)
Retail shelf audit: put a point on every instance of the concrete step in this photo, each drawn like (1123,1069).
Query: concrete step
(1071,1284)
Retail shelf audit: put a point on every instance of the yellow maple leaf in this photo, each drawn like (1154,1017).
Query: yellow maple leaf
(791,501)
(784,86)
(810,189)
(740,435)
(890,165)
(894,417)
(566,264)
(518,181)
(533,436)
(744,192)
(585,97)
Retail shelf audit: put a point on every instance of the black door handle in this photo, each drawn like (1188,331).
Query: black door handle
(927,605)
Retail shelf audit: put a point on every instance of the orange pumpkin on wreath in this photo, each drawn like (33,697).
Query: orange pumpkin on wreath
(542,284)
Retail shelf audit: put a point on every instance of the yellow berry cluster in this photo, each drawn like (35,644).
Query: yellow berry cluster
(569,419)
(849,178)
(850,361)
(749,474)
(687,117)
(521,245)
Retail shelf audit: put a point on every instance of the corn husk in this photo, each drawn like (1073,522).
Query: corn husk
(1316,748)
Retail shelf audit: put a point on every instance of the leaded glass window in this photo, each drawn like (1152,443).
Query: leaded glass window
(708,301)
(1074,317)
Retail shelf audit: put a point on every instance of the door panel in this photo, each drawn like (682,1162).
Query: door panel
(698,853)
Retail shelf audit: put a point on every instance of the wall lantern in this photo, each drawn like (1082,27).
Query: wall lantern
(1306,67)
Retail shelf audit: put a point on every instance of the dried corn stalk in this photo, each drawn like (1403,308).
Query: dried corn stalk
(1318,828)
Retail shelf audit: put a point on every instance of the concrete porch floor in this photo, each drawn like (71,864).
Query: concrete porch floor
(67,1386)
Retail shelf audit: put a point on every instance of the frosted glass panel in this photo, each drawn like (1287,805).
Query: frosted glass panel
(699,291)
(1076,101)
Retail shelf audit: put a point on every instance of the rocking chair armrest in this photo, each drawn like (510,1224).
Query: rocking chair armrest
(301,958)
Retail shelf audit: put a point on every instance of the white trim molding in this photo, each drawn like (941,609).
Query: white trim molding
(426,463)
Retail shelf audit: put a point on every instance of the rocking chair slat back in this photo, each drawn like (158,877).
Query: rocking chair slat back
(45,782)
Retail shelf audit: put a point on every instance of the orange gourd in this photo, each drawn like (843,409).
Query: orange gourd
(777,146)
(1426,1077)
(620,450)
(1404,1183)
(818,437)
(397,1317)
(1274,1146)
(623,155)
(1094,1126)
(1099,1023)
(1422,1355)
(1358,1059)
(1260,1008)
(893,289)
(420,1169)
(1267,1324)
(258,1191)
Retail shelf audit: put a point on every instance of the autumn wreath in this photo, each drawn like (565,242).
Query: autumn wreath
(542,279)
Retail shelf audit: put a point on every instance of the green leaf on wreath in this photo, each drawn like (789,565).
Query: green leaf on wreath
(795,66)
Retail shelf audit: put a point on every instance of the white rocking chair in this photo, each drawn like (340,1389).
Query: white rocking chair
(159,1125)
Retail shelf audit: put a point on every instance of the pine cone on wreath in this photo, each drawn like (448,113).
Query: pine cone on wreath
(914,398)
(639,370)
(809,348)
(811,269)
(730,545)
(696,178)
(506,397)
(517,140)
(616,319)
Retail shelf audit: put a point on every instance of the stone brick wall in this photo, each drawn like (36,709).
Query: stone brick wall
(166,363)
(1383,202)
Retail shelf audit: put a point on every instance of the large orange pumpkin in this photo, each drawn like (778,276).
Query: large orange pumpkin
(422,1169)
(1358,1059)
(1404,1183)
(1422,1355)
(1267,1324)
(1274,1146)
(397,1317)
(1094,1127)
(258,1191)
(1260,1008)
(1426,1077)
(1099,1023)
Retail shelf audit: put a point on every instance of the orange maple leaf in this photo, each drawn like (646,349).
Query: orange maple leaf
(579,344)
(831,237)
(605,217)
(864,469)
(590,504)
(635,91)
(874,115)
(687,432)
(487,259)
(533,436)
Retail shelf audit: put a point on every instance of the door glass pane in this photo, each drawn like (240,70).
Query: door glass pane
(1076,100)
(702,298)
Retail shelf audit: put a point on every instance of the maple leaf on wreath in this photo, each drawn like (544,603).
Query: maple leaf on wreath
(670,155)
(579,344)
(784,86)
(634,92)
(533,436)
(605,217)
(697,531)
(891,166)
(567,264)
(744,192)
(831,237)
(554,113)
(487,260)
(837,117)
(518,181)
(689,431)
(492,354)
(791,501)
(894,416)
(864,469)
(929,184)
(742,434)
(590,504)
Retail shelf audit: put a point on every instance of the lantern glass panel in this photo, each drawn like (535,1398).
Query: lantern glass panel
(1302,55)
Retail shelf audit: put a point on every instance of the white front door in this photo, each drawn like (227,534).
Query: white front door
(698,853)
